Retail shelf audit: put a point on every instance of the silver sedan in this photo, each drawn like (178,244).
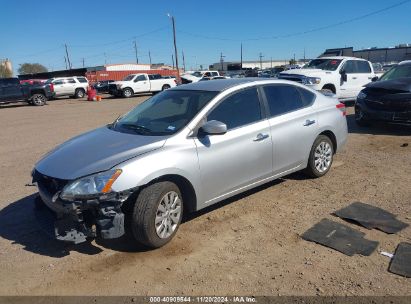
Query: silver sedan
(182,150)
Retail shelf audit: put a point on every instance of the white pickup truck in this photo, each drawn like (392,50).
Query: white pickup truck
(342,76)
(198,75)
(140,83)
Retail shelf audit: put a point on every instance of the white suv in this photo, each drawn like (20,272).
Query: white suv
(75,86)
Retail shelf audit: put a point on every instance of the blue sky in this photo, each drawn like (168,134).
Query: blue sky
(103,31)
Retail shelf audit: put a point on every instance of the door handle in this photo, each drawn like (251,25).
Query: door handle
(308,122)
(261,136)
(354,78)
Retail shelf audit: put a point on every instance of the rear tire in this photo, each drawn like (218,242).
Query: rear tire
(38,99)
(79,93)
(165,87)
(321,157)
(157,206)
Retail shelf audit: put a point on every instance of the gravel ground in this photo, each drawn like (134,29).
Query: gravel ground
(249,244)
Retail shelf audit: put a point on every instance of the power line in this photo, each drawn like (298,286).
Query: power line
(321,28)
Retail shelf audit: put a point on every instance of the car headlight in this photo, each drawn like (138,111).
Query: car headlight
(361,95)
(312,80)
(92,185)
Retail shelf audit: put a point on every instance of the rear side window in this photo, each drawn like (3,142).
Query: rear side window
(239,109)
(70,80)
(57,82)
(283,99)
(363,67)
(81,79)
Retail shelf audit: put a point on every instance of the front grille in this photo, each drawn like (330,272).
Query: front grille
(51,184)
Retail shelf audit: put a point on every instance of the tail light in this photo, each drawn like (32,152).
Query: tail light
(51,87)
(342,108)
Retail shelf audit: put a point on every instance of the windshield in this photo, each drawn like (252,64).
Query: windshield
(398,71)
(323,64)
(197,74)
(129,77)
(165,113)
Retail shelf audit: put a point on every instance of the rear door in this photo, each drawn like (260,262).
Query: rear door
(70,86)
(141,84)
(359,73)
(293,125)
(11,89)
(239,157)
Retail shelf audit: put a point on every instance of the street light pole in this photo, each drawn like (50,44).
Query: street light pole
(175,45)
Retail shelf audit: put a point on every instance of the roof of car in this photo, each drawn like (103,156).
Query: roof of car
(342,57)
(405,62)
(218,85)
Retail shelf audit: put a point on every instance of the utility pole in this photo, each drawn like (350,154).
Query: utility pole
(175,45)
(261,61)
(184,62)
(304,55)
(68,58)
(135,49)
(271,59)
(222,61)
(65,62)
(83,62)
(149,56)
(241,57)
(172,60)
(105,58)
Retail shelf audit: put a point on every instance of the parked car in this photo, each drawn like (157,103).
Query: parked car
(388,99)
(342,76)
(75,86)
(140,83)
(197,76)
(36,94)
(102,86)
(185,149)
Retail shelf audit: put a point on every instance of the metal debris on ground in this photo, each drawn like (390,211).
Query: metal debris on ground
(340,237)
(371,217)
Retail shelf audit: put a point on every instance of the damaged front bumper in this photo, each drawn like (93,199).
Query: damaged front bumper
(81,219)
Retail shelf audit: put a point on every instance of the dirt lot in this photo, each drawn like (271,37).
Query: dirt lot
(247,245)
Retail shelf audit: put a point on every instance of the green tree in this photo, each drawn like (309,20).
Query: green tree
(4,72)
(31,68)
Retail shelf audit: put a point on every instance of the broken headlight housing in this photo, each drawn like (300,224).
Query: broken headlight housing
(90,186)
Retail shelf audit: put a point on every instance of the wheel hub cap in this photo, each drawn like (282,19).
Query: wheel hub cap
(323,157)
(168,215)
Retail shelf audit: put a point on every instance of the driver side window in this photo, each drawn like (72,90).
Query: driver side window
(140,78)
(350,67)
(240,109)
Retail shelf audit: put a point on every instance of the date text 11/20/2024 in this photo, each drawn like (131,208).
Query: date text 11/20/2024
(205,299)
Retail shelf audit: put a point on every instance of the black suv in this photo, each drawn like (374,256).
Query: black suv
(388,99)
(36,94)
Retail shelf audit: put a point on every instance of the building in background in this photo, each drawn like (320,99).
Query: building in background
(263,64)
(7,65)
(388,55)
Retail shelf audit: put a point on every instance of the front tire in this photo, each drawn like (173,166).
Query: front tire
(157,214)
(127,93)
(360,118)
(321,157)
(38,99)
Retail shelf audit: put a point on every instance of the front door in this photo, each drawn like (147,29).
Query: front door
(240,157)
(141,84)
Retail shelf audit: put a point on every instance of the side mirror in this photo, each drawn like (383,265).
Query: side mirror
(375,78)
(213,127)
(343,76)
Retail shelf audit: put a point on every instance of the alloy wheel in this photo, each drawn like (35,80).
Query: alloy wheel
(168,215)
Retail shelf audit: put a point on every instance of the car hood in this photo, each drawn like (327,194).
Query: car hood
(95,151)
(306,72)
(400,84)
